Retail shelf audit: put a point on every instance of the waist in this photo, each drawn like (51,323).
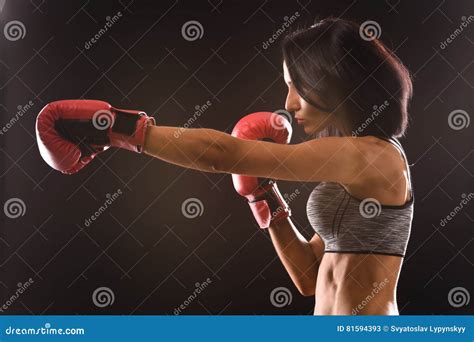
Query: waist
(357,284)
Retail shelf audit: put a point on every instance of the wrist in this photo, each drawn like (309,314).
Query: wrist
(148,138)
(269,206)
(129,129)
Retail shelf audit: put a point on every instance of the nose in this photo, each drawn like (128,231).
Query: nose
(292,103)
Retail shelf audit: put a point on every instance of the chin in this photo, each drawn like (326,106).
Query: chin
(314,130)
(309,130)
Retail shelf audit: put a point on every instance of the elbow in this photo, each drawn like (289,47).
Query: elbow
(217,163)
(306,291)
(222,156)
(213,152)
(214,165)
(306,284)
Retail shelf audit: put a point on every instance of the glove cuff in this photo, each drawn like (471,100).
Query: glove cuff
(269,205)
(129,129)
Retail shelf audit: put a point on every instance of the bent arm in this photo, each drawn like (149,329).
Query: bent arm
(300,257)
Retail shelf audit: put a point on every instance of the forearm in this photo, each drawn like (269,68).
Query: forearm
(296,255)
(195,148)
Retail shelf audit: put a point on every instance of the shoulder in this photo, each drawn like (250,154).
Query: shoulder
(382,158)
(384,174)
(373,159)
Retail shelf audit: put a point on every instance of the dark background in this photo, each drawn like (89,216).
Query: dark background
(142,247)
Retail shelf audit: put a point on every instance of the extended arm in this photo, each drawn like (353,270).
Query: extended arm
(326,159)
(194,148)
(71,133)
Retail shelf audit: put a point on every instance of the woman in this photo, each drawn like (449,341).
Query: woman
(351,96)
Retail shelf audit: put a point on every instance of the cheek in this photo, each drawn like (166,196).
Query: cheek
(306,108)
(310,112)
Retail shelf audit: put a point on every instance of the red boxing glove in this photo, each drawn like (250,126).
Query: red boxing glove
(265,200)
(70,133)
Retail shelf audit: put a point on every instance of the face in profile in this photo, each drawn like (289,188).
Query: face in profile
(312,119)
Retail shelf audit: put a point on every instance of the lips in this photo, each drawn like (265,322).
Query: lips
(299,120)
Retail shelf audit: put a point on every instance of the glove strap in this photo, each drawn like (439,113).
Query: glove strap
(269,206)
(127,131)
(129,128)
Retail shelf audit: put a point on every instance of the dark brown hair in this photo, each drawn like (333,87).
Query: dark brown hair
(361,81)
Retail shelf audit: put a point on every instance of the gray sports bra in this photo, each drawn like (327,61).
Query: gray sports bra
(350,225)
